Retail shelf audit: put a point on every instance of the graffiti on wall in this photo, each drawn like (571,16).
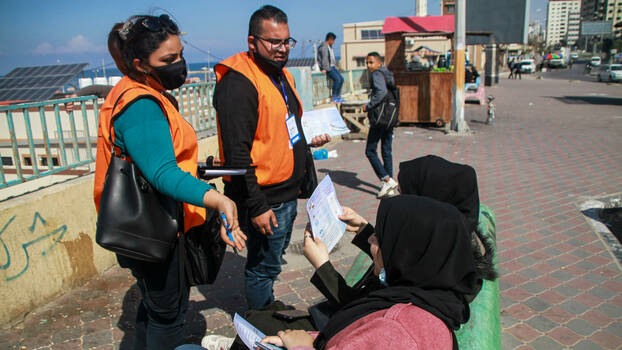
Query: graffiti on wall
(40,229)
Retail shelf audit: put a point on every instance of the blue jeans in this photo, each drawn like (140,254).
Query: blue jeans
(371,151)
(263,261)
(162,310)
(337,79)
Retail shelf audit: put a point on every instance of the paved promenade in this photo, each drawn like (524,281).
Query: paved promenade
(555,144)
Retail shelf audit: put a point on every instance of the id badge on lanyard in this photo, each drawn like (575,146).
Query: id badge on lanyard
(292,129)
(290,120)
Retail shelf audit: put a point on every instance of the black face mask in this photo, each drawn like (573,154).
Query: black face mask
(173,75)
(271,67)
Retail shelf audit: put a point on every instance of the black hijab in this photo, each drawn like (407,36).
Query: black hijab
(428,262)
(437,178)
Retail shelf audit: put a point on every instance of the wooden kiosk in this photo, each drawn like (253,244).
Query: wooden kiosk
(426,96)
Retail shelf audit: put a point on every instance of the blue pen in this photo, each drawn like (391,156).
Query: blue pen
(224,220)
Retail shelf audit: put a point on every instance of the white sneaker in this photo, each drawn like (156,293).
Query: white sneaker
(391,193)
(387,186)
(216,342)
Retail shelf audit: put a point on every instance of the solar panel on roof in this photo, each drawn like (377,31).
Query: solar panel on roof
(37,83)
(300,62)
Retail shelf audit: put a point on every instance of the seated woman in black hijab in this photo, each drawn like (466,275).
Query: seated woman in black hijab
(437,178)
(413,296)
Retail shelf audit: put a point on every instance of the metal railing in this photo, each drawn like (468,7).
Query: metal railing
(29,151)
(48,138)
(355,81)
(195,105)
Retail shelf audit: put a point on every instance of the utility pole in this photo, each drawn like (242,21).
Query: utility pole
(316,66)
(458,124)
(421,8)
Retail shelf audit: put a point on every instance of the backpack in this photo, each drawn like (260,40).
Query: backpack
(387,113)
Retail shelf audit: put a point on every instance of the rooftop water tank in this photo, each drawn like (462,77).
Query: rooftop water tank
(113,80)
(100,81)
(84,82)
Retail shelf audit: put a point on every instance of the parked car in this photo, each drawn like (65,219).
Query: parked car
(574,56)
(610,72)
(528,66)
(595,61)
(556,63)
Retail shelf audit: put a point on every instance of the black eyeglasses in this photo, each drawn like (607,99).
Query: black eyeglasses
(276,44)
(156,24)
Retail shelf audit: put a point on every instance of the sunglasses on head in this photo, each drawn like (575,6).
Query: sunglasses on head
(156,24)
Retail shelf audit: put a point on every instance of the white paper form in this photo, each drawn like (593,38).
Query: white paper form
(250,335)
(324,209)
(247,332)
(323,121)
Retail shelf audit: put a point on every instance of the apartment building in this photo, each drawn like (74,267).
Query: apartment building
(603,10)
(358,40)
(563,21)
(614,14)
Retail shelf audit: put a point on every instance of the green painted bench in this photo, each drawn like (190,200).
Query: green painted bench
(483,331)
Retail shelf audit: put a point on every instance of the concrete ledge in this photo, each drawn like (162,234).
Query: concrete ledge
(47,246)
(47,243)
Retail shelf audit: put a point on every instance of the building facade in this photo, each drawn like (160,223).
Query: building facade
(614,14)
(574,27)
(593,10)
(563,21)
(448,7)
(359,39)
(603,10)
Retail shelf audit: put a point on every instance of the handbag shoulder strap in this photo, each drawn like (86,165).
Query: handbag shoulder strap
(117,115)
(112,120)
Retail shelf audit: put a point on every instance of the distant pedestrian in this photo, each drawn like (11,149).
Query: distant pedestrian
(517,70)
(511,67)
(327,62)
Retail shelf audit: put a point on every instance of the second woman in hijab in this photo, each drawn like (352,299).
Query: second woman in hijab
(414,295)
(437,178)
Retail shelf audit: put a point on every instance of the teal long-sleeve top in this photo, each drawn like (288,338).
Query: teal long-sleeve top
(142,131)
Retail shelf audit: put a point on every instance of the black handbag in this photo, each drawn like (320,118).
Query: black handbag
(134,219)
(309,183)
(204,251)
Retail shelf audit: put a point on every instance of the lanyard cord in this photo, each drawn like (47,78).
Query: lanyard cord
(284,94)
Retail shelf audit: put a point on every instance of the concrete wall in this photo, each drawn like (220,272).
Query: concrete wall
(304,85)
(47,243)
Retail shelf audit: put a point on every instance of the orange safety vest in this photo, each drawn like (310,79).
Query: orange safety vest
(184,139)
(270,151)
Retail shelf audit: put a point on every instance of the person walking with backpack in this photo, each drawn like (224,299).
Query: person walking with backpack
(382,111)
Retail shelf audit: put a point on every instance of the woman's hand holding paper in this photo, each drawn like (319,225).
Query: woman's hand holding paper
(354,222)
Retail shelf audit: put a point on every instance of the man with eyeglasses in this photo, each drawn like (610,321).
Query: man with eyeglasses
(259,115)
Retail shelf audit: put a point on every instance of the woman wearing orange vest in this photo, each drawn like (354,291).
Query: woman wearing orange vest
(147,127)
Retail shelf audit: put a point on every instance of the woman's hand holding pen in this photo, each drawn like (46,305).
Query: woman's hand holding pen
(230,231)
